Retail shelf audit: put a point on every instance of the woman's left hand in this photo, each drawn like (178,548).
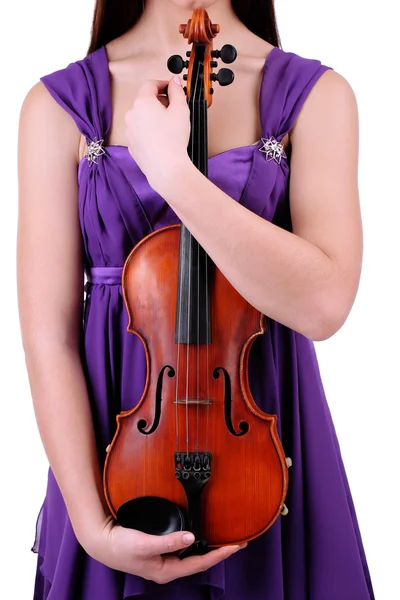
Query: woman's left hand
(158,135)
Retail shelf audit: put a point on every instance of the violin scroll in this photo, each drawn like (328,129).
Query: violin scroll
(200,32)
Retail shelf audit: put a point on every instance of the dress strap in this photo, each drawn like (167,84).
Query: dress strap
(83,90)
(288,80)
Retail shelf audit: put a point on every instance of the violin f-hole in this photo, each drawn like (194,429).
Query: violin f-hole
(243,425)
(142,424)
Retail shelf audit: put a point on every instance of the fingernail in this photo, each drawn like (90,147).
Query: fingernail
(240,547)
(177,79)
(188,538)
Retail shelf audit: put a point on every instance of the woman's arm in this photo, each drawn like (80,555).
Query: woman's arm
(307,279)
(50,292)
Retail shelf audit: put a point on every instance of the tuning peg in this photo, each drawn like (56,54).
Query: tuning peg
(176,64)
(224,77)
(227,54)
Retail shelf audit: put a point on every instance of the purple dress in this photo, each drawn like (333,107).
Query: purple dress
(313,553)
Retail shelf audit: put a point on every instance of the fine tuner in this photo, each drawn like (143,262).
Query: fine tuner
(227,54)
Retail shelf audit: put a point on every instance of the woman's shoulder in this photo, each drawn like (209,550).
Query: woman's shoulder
(41,117)
(76,77)
(81,88)
(295,69)
(292,77)
(82,64)
(306,73)
(303,72)
(61,83)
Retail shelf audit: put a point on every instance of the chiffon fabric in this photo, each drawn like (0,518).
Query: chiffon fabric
(313,553)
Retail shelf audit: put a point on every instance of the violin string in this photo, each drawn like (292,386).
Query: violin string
(198,349)
(188,347)
(198,302)
(190,284)
(207,301)
(199,130)
(180,317)
(177,359)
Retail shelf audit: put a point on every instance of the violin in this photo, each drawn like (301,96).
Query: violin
(196,453)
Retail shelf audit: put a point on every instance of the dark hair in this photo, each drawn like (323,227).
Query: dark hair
(113,18)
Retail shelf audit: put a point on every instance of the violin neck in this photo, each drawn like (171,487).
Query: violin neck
(198,141)
(193,319)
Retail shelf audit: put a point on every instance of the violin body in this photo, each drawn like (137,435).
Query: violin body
(244,494)
(196,453)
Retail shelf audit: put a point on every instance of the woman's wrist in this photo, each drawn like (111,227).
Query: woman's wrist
(166,181)
(88,511)
(88,525)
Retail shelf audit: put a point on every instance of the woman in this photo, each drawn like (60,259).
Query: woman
(102,163)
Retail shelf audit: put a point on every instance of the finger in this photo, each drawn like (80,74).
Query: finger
(153,545)
(176,94)
(175,567)
(153,88)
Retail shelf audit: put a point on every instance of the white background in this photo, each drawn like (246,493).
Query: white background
(359,365)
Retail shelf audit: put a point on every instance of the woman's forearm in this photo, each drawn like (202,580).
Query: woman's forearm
(64,419)
(282,275)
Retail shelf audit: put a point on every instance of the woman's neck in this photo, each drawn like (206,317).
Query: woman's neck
(158,26)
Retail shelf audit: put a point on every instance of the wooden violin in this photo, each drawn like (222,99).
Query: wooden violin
(196,453)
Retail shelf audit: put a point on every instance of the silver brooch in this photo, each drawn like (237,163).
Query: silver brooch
(273,150)
(94,150)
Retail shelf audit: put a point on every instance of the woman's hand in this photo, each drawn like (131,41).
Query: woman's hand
(150,556)
(158,135)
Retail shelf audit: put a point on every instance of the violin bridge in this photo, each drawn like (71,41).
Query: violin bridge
(199,402)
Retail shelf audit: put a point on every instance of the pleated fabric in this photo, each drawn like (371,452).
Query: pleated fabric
(313,553)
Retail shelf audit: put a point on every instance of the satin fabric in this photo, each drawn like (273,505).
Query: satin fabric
(316,551)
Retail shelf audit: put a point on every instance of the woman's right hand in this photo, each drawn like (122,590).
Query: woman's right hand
(151,556)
